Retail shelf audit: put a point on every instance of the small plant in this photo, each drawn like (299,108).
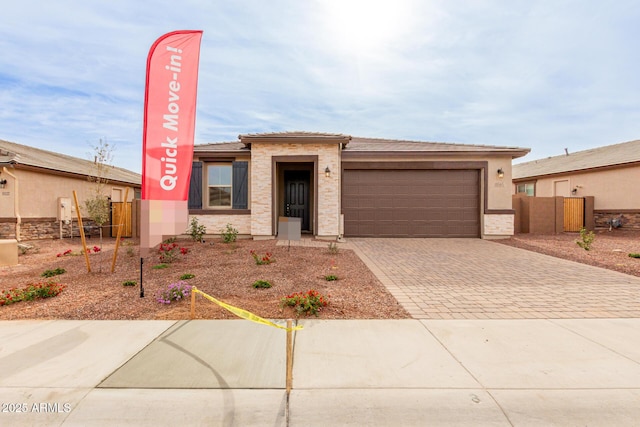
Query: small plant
(229,234)
(331,278)
(187,276)
(586,239)
(169,251)
(129,283)
(196,230)
(131,252)
(634,255)
(261,284)
(170,240)
(174,292)
(65,253)
(310,302)
(261,260)
(30,292)
(333,248)
(160,266)
(51,273)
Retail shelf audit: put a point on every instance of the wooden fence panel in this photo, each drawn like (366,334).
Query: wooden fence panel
(573,213)
(118,209)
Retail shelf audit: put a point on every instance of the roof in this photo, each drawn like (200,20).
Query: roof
(392,145)
(359,145)
(607,156)
(18,154)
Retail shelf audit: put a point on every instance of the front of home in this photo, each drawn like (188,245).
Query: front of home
(343,186)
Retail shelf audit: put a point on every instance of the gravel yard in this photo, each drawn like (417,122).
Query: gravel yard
(224,271)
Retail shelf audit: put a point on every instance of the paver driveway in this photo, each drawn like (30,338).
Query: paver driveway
(479,279)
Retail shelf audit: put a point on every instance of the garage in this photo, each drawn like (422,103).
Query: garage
(411,202)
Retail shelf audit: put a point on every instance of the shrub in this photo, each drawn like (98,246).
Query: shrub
(187,276)
(30,292)
(261,284)
(160,266)
(264,259)
(333,248)
(174,292)
(310,302)
(587,239)
(196,231)
(51,273)
(330,278)
(634,255)
(129,283)
(229,234)
(169,251)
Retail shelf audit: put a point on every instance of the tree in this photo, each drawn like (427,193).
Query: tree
(97,204)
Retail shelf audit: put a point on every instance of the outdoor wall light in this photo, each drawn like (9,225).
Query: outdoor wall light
(3,183)
(327,172)
(500,173)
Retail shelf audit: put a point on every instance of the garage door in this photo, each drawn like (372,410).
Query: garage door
(411,203)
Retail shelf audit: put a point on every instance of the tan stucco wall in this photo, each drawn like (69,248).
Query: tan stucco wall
(612,189)
(38,193)
(328,189)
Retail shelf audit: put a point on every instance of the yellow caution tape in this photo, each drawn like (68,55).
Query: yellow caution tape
(244,313)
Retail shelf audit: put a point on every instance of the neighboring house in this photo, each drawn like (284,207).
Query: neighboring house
(35,184)
(610,174)
(346,186)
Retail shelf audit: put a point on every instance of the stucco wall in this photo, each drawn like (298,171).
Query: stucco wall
(613,189)
(328,188)
(37,200)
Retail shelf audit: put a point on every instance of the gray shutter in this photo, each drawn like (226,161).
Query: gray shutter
(195,186)
(240,185)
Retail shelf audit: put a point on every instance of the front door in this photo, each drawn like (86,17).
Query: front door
(296,198)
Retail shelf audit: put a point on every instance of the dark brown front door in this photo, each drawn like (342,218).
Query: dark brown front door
(296,199)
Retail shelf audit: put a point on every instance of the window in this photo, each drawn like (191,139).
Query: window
(219,185)
(528,189)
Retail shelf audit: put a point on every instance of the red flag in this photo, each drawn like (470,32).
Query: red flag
(168,130)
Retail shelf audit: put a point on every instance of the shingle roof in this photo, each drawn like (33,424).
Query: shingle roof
(610,155)
(12,153)
(365,145)
(358,144)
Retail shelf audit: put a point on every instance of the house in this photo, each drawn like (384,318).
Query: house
(609,174)
(36,191)
(343,186)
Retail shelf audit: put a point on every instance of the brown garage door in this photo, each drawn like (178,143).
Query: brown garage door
(411,203)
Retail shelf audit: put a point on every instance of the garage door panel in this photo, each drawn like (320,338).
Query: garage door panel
(411,203)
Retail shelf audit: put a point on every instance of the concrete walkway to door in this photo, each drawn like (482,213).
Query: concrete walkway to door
(479,279)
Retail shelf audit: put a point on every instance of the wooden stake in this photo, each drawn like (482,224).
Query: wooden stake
(120,227)
(81,228)
(289,355)
(193,304)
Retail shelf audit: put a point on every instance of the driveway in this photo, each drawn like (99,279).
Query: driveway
(480,279)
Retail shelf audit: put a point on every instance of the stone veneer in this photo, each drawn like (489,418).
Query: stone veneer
(42,228)
(498,225)
(629,220)
(216,223)
(328,188)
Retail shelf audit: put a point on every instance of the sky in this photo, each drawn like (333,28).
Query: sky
(546,75)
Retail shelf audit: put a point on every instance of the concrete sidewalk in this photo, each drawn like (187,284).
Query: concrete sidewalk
(354,372)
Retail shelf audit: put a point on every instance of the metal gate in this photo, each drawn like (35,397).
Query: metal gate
(118,209)
(573,213)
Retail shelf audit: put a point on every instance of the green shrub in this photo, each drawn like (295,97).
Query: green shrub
(634,255)
(187,276)
(160,266)
(229,234)
(330,278)
(51,273)
(196,231)
(129,283)
(261,284)
(333,248)
(586,239)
